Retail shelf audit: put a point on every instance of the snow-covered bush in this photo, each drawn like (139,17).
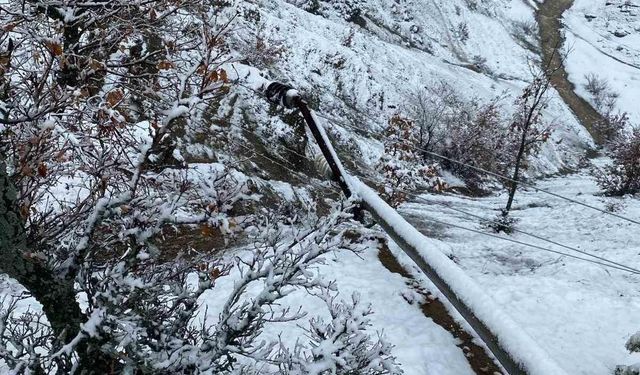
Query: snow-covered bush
(349,10)
(627,370)
(604,98)
(265,51)
(148,317)
(402,166)
(633,346)
(465,130)
(341,345)
(623,176)
(611,127)
(601,93)
(477,136)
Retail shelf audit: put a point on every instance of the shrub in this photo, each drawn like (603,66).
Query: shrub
(623,176)
(462,32)
(633,346)
(349,10)
(401,166)
(604,100)
(611,126)
(603,96)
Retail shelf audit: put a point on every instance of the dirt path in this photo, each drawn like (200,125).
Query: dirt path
(549,17)
(432,308)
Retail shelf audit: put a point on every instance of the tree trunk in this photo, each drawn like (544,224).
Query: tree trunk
(57,296)
(516,172)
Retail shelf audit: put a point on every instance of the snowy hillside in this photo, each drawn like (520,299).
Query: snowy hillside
(604,39)
(363,73)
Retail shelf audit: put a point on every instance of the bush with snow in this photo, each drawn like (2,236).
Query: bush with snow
(349,10)
(633,346)
(623,175)
(402,166)
(465,130)
(98,106)
(604,98)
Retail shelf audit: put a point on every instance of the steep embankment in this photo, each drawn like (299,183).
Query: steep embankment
(549,17)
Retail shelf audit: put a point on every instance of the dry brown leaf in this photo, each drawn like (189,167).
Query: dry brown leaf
(10,26)
(213,76)
(54,48)
(207,230)
(165,65)
(24,211)
(95,64)
(215,273)
(42,170)
(223,75)
(114,97)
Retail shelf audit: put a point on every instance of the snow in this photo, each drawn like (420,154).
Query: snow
(594,49)
(580,313)
(517,343)
(421,346)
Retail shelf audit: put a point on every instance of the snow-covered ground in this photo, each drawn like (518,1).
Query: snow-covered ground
(581,313)
(421,346)
(603,38)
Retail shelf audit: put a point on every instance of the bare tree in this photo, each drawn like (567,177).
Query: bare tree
(528,128)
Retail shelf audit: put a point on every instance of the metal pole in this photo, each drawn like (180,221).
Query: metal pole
(288,97)
(483,332)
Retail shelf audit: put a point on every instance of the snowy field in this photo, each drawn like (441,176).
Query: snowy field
(581,313)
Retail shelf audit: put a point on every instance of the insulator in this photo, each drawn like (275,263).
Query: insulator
(281,94)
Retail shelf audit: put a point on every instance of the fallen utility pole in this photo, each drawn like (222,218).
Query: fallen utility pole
(290,98)
(399,231)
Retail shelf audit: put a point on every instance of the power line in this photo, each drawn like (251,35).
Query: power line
(443,204)
(601,260)
(624,268)
(497,175)
(609,263)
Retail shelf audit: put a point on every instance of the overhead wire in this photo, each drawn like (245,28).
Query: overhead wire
(600,260)
(490,173)
(529,234)
(625,268)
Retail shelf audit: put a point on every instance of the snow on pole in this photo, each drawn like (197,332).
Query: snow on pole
(290,98)
(515,350)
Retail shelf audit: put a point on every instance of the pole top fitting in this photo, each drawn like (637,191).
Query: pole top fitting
(282,94)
